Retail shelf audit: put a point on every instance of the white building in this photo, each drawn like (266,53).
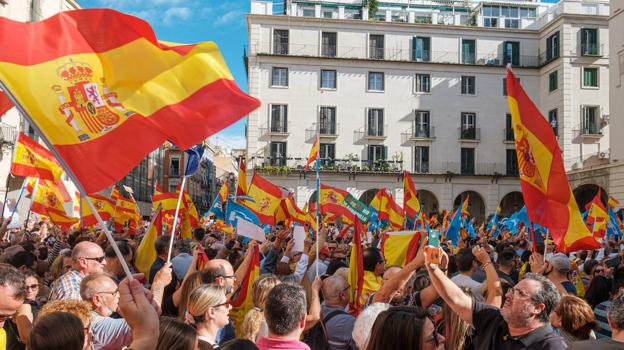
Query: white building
(11,122)
(421,88)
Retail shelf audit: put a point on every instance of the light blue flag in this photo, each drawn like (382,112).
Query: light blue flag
(452,232)
(613,228)
(235,211)
(217,209)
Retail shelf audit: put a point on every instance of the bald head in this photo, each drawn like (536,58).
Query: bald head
(84,248)
(88,258)
(221,272)
(335,291)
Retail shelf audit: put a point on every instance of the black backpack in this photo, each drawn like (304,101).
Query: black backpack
(316,338)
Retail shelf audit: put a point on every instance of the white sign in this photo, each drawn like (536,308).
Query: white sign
(250,230)
(299,237)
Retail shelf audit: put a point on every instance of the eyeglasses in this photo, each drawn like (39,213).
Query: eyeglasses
(116,292)
(519,293)
(233,276)
(32,286)
(433,337)
(599,271)
(99,259)
(226,304)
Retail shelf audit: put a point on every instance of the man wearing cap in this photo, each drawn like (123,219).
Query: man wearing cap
(556,269)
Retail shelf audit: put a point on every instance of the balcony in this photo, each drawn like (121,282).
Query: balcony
(291,164)
(417,133)
(368,134)
(592,50)
(328,50)
(280,48)
(508,135)
(327,131)
(588,133)
(469,134)
(276,130)
(8,134)
(376,53)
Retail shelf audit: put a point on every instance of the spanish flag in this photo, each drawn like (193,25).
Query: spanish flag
(95,81)
(31,159)
(166,200)
(545,188)
(399,248)
(613,203)
(356,270)
(125,210)
(64,221)
(46,197)
(266,198)
(104,206)
(5,103)
(291,211)
(331,201)
(241,188)
(190,211)
(224,192)
(464,207)
(314,153)
(410,197)
(146,252)
(388,209)
(242,300)
(597,217)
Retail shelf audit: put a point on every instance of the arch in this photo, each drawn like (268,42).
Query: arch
(511,203)
(311,199)
(476,204)
(585,193)
(368,195)
(428,202)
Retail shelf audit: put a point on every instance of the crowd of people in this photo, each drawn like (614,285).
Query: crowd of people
(69,291)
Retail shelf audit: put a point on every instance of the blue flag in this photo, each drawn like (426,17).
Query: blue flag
(471,230)
(235,211)
(195,154)
(217,209)
(452,232)
(493,225)
(613,228)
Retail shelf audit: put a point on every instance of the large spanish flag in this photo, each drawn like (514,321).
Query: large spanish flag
(105,92)
(545,187)
(31,159)
(104,206)
(266,198)
(242,300)
(5,103)
(410,197)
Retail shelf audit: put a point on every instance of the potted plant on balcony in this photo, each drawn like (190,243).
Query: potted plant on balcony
(351,159)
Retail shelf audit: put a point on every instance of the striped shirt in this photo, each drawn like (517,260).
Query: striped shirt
(602,325)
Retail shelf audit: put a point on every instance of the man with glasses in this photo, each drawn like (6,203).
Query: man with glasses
(87,258)
(12,292)
(102,293)
(523,321)
(338,323)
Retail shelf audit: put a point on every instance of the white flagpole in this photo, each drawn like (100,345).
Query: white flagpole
(71,175)
(175,219)
(318,196)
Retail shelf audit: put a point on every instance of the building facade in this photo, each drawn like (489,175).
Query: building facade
(420,86)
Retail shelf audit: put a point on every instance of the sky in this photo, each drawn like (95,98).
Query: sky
(191,21)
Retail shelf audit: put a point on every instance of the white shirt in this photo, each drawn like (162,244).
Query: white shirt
(465,281)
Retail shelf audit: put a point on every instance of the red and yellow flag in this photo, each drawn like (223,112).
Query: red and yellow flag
(314,153)
(5,103)
(46,197)
(464,207)
(92,103)
(125,210)
(104,206)
(224,192)
(613,203)
(146,251)
(291,211)
(241,188)
(266,198)
(167,200)
(410,196)
(31,159)
(545,187)
(388,209)
(399,248)
(356,270)
(331,201)
(597,216)
(64,221)
(242,302)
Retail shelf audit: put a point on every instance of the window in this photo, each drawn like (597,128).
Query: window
(327,153)
(591,120)
(511,53)
(174,165)
(512,16)
(511,163)
(468,129)
(553,120)
(590,77)
(467,161)
(279,77)
(173,185)
(328,79)
(375,81)
(328,44)
(468,51)
(589,42)
(490,16)
(350,13)
(329,13)
(509,133)
(421,124)
(421,159)
(279,118)
(376,46)
(421,49)
(468,85)
(327,120)
(280,41)
(375,122)
(553,81)
(526,12)
(552,47)
(277,155)
(423,83)
(376,154)
(307,11)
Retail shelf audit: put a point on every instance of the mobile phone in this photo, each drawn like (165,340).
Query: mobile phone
(433,238)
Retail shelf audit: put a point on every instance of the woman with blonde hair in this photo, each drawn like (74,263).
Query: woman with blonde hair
(574,318)
(207,311)
(254,325)
(190,283)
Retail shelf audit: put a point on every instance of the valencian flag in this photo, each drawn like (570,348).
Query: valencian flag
(266,198)
(314,153)
(242,300)
(356,270)
(241,188)
(399,248)
(545,188)
(31,159)
(146,252)
(80,86)
(597,216)
(104,206)
(410,197)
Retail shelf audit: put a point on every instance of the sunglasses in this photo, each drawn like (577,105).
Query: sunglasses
(599,271)
(226,304)
(32,286)
(99,259)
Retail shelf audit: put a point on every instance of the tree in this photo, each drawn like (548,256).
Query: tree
(373,6)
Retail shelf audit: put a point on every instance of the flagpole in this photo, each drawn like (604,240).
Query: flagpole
(70,174)
(175,219)
(81,226)
(6,191)
(34,193)
(318,196)
(18,198)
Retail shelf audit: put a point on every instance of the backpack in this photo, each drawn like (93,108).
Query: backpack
(316,338)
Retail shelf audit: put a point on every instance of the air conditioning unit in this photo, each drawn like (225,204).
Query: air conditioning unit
(602,155)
